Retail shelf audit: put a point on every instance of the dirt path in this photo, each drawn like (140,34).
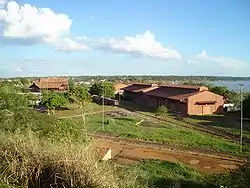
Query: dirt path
(129,153)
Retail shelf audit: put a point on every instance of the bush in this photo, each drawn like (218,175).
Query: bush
(29,162)
(161,110)
(105,89)
(238,178)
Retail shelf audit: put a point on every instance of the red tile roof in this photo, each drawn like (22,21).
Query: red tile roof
(183,86)
(166,91)
(53,80)
(182,97)
(137,87)
(49,85)
(52,83)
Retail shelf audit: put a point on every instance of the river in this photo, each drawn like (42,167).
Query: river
(233,85)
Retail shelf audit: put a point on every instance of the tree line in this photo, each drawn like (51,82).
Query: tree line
(78,94)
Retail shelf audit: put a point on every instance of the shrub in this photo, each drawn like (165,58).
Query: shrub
(29,162)
(161,110)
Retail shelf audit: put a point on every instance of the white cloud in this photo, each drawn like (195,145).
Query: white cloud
(28,25)
(41,25)
(18,69)
(142,44)
(202,54)
(224,62)
(190,62)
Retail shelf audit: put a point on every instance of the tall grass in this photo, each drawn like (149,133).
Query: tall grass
(30,162)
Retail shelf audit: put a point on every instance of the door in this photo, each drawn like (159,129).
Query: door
(206,109)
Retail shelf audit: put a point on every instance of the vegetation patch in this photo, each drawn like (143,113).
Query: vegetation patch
(156,173)
(30,162)
(168,133)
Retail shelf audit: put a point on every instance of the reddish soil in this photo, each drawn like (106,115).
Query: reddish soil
(128,153)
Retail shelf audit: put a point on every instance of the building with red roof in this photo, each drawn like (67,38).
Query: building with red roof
(184,99)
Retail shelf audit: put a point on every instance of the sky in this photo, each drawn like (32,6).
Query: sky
(111,37)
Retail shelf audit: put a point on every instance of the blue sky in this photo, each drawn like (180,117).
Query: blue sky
(93,37)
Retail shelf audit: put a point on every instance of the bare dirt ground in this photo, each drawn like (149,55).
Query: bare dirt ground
(126,152)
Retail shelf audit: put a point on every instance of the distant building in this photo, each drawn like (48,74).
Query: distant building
(184,99)
(51,84)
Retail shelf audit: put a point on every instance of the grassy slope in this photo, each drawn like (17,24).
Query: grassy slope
(156,173)
(169,133)
(72,109)
(161,174)
(228,123)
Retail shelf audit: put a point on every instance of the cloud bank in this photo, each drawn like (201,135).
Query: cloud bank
(28,25)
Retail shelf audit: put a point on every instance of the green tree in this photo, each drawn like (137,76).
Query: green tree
(160,110)
(221,90)
(105,89)
(24,81)
(234,98)
(81,97)
(52,100)
(71,85)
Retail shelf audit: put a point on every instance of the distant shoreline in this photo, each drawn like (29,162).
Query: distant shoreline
(153,77)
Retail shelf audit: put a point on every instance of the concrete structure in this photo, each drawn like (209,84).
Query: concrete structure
(184,99)
(51,84)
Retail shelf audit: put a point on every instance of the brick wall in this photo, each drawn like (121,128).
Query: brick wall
(195,109)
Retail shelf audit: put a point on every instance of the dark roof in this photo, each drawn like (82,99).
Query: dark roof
(138,87)
(166,92)
(182,86)
(182,97)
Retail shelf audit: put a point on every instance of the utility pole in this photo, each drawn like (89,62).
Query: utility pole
(241,116)
(103,95)
(47,92)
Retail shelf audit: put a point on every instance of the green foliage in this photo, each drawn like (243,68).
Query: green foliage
(24,81)
(160,174)
(246,106)
(71,85)
(80,93)
(160,110)
(30,162)
(10,100)
(238,178)
(105,89)
(221,90)
(171,133)
(53,100)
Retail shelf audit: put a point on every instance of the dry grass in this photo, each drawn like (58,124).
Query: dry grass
(29,162)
